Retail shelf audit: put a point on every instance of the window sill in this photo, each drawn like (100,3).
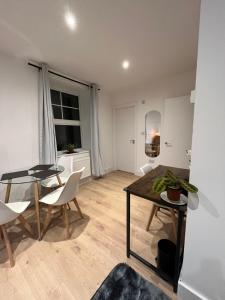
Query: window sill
(77,151)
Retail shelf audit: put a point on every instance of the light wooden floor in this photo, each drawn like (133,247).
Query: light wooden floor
(56,268)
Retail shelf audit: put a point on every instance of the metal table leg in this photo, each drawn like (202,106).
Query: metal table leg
(128,224)
(178,254)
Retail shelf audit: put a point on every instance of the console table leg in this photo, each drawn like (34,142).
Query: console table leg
(128,224)
(178,256)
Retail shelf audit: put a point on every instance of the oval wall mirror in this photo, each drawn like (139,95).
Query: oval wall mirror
(152,133)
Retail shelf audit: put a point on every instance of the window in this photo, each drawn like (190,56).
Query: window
(66,134)
(66,114)
(65,106)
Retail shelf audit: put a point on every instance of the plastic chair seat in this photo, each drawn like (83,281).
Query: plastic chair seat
(18,207)
(52,197)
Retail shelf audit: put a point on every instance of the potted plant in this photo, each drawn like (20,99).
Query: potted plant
(173,185)
(70,148)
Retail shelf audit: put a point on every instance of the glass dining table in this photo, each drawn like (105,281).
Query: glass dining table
(33,176)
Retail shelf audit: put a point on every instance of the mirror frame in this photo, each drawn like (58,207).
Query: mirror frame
(159,145)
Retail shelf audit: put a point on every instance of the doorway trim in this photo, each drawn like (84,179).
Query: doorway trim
(115,108)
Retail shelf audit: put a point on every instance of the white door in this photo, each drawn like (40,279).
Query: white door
(177,131)
(125,141)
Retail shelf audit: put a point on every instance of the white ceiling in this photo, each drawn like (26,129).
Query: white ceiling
(159,37)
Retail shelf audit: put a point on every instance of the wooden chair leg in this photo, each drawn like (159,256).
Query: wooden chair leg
(66,220)
(61,210)
(1,233)
(78,208)
(68,205)
(8,246)
(25,224)
(47,219)
(157,209)
(59,180)
(154,207)
(174,222)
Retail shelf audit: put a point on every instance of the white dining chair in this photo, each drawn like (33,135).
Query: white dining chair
(10,212)
(155,207)
(61,197)
(67,162)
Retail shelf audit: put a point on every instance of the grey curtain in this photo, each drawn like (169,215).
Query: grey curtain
(96,155)
(47,140)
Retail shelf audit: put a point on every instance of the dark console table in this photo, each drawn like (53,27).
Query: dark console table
(143,188)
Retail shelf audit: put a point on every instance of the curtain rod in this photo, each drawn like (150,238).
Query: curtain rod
(62,76)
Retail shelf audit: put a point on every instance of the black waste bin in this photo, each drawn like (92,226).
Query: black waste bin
(166,257)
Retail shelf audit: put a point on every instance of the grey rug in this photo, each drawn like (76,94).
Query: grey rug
(123,283)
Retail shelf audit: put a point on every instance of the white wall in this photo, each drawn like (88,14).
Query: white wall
(151,97)
(203,272)
(18,118)
(106,129)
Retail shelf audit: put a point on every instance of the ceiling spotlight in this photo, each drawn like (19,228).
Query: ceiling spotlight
(125,64)
(70,20)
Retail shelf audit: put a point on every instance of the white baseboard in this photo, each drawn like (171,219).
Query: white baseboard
(85,180)
(138,173)
(109,170)
(185,292)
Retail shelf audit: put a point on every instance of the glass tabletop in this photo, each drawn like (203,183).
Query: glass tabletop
(36,173)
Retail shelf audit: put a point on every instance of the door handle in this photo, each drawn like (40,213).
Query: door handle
(168,144)
(132,141)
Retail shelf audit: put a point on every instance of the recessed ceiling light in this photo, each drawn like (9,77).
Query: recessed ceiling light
(70,20)
(125,64)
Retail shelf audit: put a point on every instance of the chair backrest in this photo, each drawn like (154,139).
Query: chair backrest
(6,214)
(67,162)
(145,169)
(71,188)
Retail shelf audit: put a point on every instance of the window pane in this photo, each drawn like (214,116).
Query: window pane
(57,113)
(70,114)
(55,97)
(70,100)
(66,134)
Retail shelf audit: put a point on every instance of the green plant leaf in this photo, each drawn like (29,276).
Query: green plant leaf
(171,176)
(170,182)
(188,186)
(159,185)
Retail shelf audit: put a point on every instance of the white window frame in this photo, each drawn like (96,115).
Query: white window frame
(66,122)
(61,107)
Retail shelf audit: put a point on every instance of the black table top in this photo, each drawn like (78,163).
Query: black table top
(143,186)
(36,173)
